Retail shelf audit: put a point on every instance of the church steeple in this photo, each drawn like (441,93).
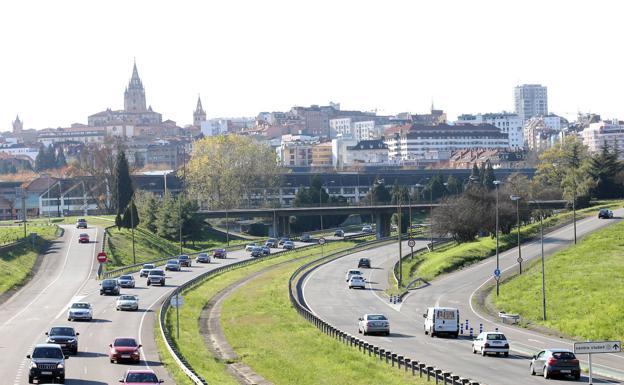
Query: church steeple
(199,115)
(134,96)
(18,126)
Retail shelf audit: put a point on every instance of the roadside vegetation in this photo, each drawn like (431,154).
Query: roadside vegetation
(584,288)
(9,234)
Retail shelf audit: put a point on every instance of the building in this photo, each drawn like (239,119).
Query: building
(508,123)
(21,152)
(531,100)
(468,158)
(18,126)
(598,134)
(541,132)
(368,152)
(361,128)
(296,150)
(135,110)
(339,151)
(77,133)
(199,115)
(426,144)
(322,155)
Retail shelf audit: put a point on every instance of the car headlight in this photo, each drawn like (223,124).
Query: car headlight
(51,340)
(33,365)
(60,366)
(71,340)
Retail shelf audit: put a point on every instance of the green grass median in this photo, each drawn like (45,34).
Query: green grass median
(584,288)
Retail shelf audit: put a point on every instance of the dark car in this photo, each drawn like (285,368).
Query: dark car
(64,336)
(553,362)
(203,258)
(339,233)
(172,265)
(288,245)
(109,286)
(604,213)
(282,240)
(306,238)
(364,262)
(184,260)
(141,376)
(81,223)
(83,238)
(219,253)
(271,242)
(47,361)
(156,277)
(256,252)
(266,250)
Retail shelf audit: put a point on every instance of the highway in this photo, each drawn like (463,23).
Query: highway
(343,307)
(67,274)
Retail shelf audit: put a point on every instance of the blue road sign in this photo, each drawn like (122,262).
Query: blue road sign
(497,273)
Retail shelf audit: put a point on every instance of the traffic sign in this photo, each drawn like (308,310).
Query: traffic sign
(177,301)
(101,257)
(321,241)
(597,347)
(497,273)
(519,259)
(411,243)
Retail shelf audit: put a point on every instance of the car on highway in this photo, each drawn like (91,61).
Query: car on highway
(184,260)
(364,262)
(256,252)
(80,310)
(126,280)
(374,323)
(47,361)
(140,376)
(127,302)
(367,229)
(202,258)
(219,253)
(156,277)
(124,349)
(83,238)
(442,321)
(288,245)
(109,286)
(64,336)
(250,246)
(339,233)
(490,343)
(271,242)
(282,240)
(266,250)
(146,269)
(605,214)
(172,265)
(306,237)
(351,273)
(81,223)
(357,281)
(553,362)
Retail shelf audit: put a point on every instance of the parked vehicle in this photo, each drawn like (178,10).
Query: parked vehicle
(364,262)
(442,320)
(172,265)
(64,336)
(146,269)
(490,343)
(80,310)
(184,260)
(288,245)
(124,349)
(357,281)
(140,376)
(605,214)
(128,302)
(81,223)
(219,253)
(109,286)
(374,323)
(83,238)
(156,277)
(47,361)
(126,281)
(552,362)
(202,258)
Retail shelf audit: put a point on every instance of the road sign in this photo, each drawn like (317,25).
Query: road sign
(519,259)
(101,257)
(497,273)
(597,347)
(177,301)
(411,243)
(321,241)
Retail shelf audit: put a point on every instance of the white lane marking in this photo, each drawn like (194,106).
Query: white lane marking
(538,341)
(47,287)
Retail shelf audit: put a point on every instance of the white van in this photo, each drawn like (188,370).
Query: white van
(442,320)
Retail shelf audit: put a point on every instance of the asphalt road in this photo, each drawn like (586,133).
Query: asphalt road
(343,307)
(67,274)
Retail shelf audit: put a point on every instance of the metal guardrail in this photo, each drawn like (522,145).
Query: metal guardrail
(402,362)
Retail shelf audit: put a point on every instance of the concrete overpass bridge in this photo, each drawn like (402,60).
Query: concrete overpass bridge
(381,213)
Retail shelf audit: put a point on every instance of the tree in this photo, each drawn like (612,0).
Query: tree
(147,206)
(604,167)
(399,193)
(60,158)
(453,185)
(167,219)
(118,221)
(40,159)
(488,176)
(224,169)
(379,194)
(435,189)
(50,158)
(122,183)
(131,216)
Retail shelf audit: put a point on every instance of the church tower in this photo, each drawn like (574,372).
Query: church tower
(18,126)
(134,97)
(199,115)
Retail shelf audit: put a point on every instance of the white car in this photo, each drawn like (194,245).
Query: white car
(250,247)
(80,310)
(146,269)
(128,302)
(367,229)
(351,273)
(490,343)
(374,323)
(357,281)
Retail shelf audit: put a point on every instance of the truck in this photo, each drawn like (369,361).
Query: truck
(442,321)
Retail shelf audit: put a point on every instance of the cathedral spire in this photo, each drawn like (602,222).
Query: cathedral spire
(199,115)
(199,105)
(134,96)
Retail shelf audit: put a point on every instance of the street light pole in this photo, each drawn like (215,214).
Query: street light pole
(321,203)
(399,238)
(543,270)
(496,183)
(431,214)
(132,228)
(517,199)
(574,210)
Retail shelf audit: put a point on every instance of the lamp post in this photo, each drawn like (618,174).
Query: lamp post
(496,183)
(418,186)
(543,270)
(517,198)
(132,228)
(321,199)
(399,238)
(431,214)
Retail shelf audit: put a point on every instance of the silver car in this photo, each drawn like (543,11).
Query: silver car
(80,311)
(374,323)
(128,302)
(146,269)
(126,281)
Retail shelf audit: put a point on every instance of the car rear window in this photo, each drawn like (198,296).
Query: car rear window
(48,352)
(80,306)
(125,342)
(142,377)
(156,272)
(127,298)
(183,257)
(125,277)
(148,266)
(109,282)
(496,337)
(59,331)
(376,317)
(564,355)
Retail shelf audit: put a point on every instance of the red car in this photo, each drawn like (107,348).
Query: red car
(124,349)
(83,238)
(144,376)
(219,253)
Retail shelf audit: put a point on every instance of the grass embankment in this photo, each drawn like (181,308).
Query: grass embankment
(584,288)
(16,262)
(451,257)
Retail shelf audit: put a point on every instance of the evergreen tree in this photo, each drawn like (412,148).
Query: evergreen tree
(148,210)
(122,183)
(131,216)
(49,158)
(40,159)
(488,176)
(379,194)
(603,168)
(453,185)
(399,193)
(167,219)
(60,158)
(435,189)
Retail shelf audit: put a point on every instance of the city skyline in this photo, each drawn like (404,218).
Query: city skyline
(68,60)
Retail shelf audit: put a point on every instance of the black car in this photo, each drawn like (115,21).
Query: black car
(109,286)
(64,336)
(184,260)
(604,213)
(555,362)
(81,223)
(156,277)
(364,262)
(47,361)
(256,252)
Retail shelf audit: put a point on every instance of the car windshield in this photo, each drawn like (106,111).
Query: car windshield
(564,355)
(80,305)
(109,282)
(129,342)
(183,257)
(62,332)
(126,277)
(127,298)
(357,278)
(364,260)
(84,235)
(172,261)
(157,272)
(47,352)
(376,317)
(496,337)
(355,272)
(203,255)
(142,377)
(148,266)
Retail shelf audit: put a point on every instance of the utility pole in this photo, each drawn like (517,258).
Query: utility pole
(543,270)
(399,237)
(431,214)
(517,199)
(132,228)
(496,183)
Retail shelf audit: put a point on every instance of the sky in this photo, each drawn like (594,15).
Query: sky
(64,60)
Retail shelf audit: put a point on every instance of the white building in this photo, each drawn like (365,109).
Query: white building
(82,134)
(339,151)
(214,127)
(30,152)
(611,133)
(357,129)
(508,123)
(367,152)
(531,100)
(121,130)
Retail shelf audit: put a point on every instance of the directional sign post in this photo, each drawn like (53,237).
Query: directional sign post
(321,242)
(497,274)
(101,258)
(176,301)
(593,347)
(411,243)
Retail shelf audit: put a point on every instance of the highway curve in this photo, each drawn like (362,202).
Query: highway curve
(343,307)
